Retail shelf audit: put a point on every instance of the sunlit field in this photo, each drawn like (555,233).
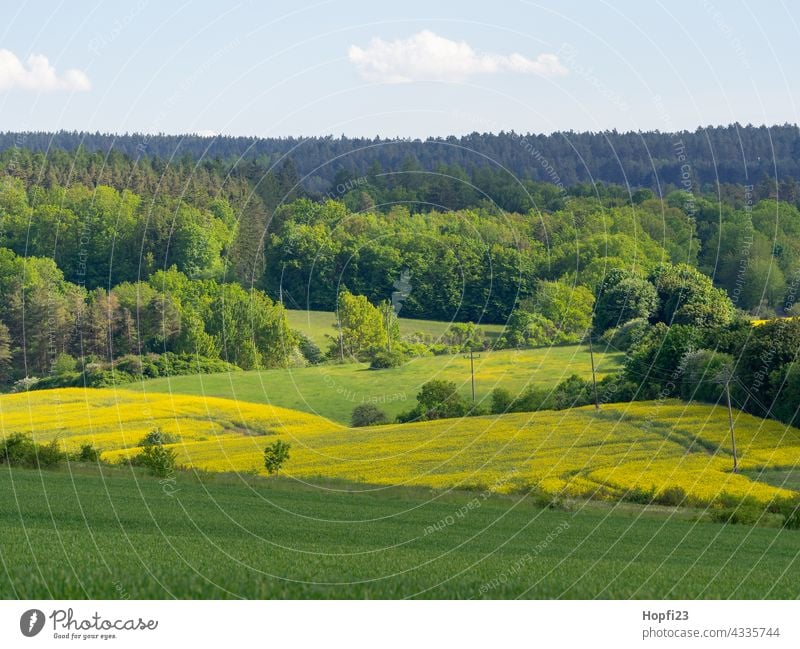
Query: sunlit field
(333,391)
(656,447)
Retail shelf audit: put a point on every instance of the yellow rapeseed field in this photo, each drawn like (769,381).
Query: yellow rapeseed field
(579,452)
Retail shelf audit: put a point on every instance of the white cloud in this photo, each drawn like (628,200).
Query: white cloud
(38,74)
(426,56)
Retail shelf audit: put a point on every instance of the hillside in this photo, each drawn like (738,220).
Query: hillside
(333,391)
(658,446)
(319,326)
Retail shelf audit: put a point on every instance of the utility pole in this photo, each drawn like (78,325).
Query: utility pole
(594,379)
(472,373)
(724,378)
(730,422)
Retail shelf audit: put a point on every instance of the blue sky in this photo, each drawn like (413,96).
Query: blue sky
(407,68)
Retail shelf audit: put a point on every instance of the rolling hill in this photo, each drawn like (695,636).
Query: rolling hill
(332,391)
(662,448)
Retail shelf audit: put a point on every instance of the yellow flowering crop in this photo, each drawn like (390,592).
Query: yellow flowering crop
(579,452)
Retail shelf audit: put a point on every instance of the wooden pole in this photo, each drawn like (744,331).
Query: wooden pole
(594,380)
(730,424)
(472,372)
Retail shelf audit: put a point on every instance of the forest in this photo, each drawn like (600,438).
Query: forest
(113,267)
(733,154)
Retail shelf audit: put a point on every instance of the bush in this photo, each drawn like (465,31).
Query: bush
(700,380)
(384,360)
(732,510)
(572,392)
(157,459)
(436,400)
(626,335)
(790,509)
(501,401)
(639,495)
(367,414)
(19,450)
(88,453)
(25,384)
(158,437)
(64,364)
(309,349)
(465,336)
(672,497)
(275,455)
(49,455)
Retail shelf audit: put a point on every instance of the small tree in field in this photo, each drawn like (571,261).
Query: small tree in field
(367,414)
(275,455)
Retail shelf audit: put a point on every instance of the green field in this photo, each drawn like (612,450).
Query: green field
(319,326)
(114,534)
(334,390)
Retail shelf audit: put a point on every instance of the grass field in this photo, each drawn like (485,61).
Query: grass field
(645,446)
(333,391)
(319,326)
(109,533)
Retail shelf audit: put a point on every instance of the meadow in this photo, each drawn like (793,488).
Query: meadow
(657,447)
(113,533)
(332,391)
(320,326)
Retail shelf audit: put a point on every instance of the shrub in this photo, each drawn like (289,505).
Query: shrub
(158,437)
(531,400)
(501,401)
(64,380)
(384,360)
(275,455)
(49,455)
(367,414)
(671,496)
(790,509)
(17,449)
(732,510)
(639,495)
(157,459)
(309,349)
(626,335)
(436,400)
(64,364)
(700,380)
(572,392)
(465,336)
(25,384)
(88,453)
(20,450)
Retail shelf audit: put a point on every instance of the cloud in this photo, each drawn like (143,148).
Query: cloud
(37,75)
(426,56)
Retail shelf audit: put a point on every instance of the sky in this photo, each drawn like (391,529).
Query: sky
(407,69)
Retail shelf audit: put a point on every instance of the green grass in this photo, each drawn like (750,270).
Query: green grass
(783,478)
(319,326)
(334,390)
(121,535)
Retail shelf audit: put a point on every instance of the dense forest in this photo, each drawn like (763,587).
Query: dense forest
(704,158)
(113,267)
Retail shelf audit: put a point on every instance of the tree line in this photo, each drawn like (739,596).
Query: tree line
(733,154)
